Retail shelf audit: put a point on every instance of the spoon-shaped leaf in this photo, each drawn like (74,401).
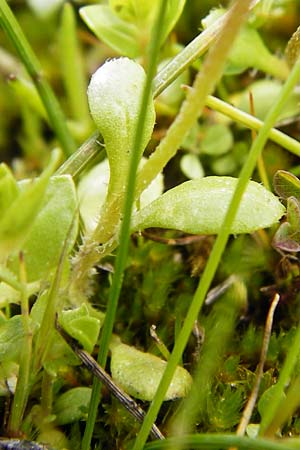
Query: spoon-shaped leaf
(199,207)
(114,95)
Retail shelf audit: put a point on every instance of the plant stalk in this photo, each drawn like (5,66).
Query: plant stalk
(23,383)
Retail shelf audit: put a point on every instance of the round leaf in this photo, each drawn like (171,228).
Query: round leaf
(217,140)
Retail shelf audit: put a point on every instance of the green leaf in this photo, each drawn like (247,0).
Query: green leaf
(249,51)
(292,50)
(199,207)
(115,112)
(19,218)
(79,324)
(11,338)
(28,94)
(191,166)
(293,213)
(286,184)
(139,373)
(134,11)
(122,36)
(264,93)
(266,398)
(55,438)
(287,237)
(126,25)
(44,242)
(174,10)
(142,13)
(60,355)
(217,140)
(8,188)
(72,405)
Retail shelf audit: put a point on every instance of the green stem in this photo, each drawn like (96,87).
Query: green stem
(76,163)
(253,123)
(47,393)
(217,441)
(222,238)
(23,383)
(44,337)
(30,61)
(121,258)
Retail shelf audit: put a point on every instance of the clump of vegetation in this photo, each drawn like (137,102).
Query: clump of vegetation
(147,236)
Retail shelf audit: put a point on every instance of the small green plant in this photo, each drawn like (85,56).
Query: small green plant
(58,228)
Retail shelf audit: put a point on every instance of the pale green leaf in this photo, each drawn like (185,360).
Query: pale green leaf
(122,36)
(79,324)
(134,11)
(72,405)
(265,92)
(11,338)
(174,10)
(248,50)
(217,140)
(267,398)
(139,374)
(20,216)
(199,207)
(45,241)
(191,166)
(8,188)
